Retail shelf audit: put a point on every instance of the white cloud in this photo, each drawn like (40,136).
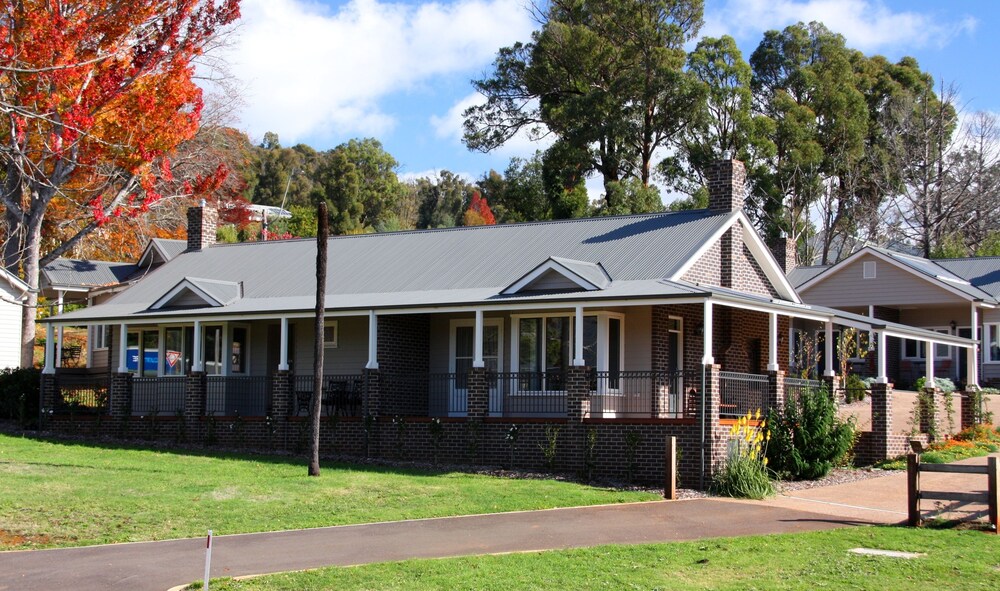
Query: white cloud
(449,127)
(868,25)
(315,71)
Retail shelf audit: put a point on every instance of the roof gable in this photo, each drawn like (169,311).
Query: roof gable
(558,273)
(897,281)
(197,292)
(14,281)
(760,253)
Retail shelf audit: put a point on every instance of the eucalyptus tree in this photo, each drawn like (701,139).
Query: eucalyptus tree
(606,77)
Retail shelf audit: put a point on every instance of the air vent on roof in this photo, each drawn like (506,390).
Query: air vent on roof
(869,269)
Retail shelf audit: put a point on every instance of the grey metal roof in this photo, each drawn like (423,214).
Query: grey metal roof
(982,272)
(800,275)
(932,269)
(592,273)
(169,248)
(85,274)
(457,265)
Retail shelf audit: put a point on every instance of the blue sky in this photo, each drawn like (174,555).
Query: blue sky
(324,71)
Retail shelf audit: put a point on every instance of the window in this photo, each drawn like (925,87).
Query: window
(143,361)
(868,269)
(544,345)
(238,350)
(991,337)
(175,361)
(331,333)
(102,336)
(913,349)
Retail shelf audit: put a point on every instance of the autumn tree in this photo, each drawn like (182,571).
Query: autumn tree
(479,212)
(94,96)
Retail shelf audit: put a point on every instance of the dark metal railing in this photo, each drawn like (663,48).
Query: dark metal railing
(741,393)
(82,393)
(247,396)
(527,394)
(642,394)
(446,394)
(794,387)
(342,394)
(162,395)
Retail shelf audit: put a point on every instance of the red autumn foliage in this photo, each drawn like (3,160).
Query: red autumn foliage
(479,212)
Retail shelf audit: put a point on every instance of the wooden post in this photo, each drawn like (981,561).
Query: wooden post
(670,470)
(913,488)
(993,475)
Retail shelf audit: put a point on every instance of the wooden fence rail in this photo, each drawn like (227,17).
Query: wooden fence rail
(991,498)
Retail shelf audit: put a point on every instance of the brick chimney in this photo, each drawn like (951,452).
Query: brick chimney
(726,185)
(784,251)
(202,222)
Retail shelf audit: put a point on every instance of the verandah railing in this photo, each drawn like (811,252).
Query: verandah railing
(160,395)
(741,393)
(81,393)
(342,394)
(794,387)
(248,396)
(643,394)
(621,394)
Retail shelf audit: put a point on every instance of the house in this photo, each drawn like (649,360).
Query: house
(13,292)
(637,327)
(88,282)
(957,297)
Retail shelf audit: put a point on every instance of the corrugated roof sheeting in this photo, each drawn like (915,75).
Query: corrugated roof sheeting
(800,275)
(983,272)
(629,247)
(81,273)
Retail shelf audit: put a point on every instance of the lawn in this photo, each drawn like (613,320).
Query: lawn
(956,560)
(69,494)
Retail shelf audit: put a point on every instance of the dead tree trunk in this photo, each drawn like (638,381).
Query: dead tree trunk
(322,235)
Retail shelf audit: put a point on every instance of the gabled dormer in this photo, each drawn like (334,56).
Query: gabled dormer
(193,292)
(559,274)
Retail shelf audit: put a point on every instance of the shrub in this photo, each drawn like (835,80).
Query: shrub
(944,384)
(807,438)
(20,395)
(745,474)
(854,388)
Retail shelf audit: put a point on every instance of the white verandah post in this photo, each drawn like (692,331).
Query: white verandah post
(828,350)
(881,377)
(372,340)
(477,341)
(578,339)
(972,359)
(772,344)
(283,361)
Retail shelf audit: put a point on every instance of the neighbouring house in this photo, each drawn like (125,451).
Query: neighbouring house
(13,292)
(620,331)
(88,282)
(957,297)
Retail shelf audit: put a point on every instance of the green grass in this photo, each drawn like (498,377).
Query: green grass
(63,494)
(955,560)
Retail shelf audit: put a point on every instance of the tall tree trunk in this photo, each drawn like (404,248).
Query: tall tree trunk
(322,236)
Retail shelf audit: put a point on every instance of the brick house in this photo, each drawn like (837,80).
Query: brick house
(620,331)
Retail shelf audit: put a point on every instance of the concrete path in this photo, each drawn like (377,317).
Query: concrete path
(157,566)
(883,500)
